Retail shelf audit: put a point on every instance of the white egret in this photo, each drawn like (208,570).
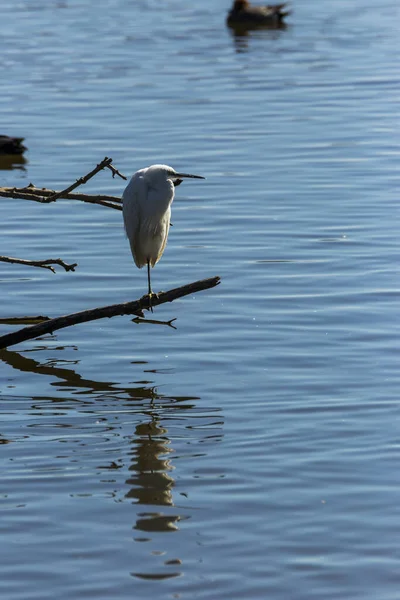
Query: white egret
(146,208)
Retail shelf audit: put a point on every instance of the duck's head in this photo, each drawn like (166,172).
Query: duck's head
(240,5)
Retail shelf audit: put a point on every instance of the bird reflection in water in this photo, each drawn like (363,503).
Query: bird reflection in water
(150,482)
(150,467)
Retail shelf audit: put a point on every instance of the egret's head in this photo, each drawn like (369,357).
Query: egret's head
(163,172)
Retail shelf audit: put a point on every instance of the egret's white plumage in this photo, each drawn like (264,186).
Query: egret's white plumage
(146,208)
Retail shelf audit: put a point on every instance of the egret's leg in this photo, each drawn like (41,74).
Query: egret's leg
(149,283)
(148,277)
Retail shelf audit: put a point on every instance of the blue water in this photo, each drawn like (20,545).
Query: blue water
(253,452)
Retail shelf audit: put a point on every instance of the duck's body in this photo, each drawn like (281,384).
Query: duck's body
(11,145)
(243,14)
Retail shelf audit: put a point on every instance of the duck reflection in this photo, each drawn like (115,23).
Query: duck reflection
(242,37)
(9,162)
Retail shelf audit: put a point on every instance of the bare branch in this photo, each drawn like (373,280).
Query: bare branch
(44,196)
(21,193)
(104,163)
(41,194)
(44,264)
(127,308)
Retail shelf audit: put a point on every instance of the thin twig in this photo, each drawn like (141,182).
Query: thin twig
(44,264)
(115,172)
(127,308)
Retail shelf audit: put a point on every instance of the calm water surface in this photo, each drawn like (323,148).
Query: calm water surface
(253,452)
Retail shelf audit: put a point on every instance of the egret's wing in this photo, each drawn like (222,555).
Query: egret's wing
(163,236)
(156,219)
(133,203)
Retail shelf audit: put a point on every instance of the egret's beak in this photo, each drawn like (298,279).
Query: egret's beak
(181,175)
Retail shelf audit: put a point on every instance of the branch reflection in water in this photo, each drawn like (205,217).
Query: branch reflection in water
(157,433)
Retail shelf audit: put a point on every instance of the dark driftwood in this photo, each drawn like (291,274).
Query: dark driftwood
(44,264)
(127,308)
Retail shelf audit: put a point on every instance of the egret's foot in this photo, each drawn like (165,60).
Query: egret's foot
(150,297)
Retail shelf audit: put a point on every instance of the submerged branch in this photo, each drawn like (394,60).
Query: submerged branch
(44,264)
(127,308)
(139,320)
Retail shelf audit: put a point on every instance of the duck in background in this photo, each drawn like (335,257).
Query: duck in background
(244,15)
(11,145)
